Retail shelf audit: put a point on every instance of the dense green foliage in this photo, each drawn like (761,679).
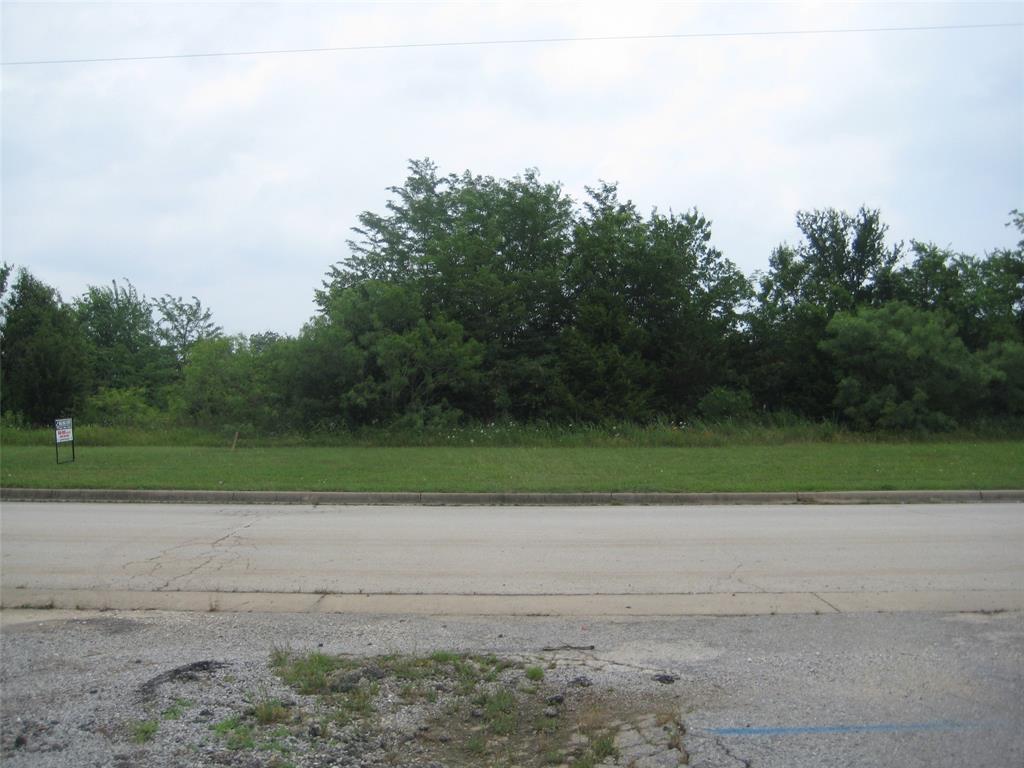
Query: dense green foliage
(474,300)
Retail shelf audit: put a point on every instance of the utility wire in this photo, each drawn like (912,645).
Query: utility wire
(526,41)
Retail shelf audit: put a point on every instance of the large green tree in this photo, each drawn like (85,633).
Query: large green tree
(121,340)
(400,361)
(181,324)
(485,254)
(842,263)
(983,297)
(216,385)
(900,367)
(655,309)
(586,313)
(42,353)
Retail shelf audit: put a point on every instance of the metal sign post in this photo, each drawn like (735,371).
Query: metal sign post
(64,432)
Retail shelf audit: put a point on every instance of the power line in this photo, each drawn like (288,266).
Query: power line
(525,41)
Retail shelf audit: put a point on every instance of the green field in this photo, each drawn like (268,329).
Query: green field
(787,467)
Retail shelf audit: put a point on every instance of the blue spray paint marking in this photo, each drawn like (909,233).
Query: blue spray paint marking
(939,725)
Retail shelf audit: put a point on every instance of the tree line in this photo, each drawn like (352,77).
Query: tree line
(475,298)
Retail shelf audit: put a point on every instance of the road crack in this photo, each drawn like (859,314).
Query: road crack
(729,753)
(826,602)
(217,549)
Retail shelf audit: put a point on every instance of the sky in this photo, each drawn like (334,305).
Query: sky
(237,179)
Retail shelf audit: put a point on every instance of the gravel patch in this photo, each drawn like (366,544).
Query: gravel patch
(191,689)
(146,689)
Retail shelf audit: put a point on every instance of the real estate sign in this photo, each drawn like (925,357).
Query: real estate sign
(64,432)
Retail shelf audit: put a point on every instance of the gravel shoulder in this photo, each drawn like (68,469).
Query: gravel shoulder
(923,689)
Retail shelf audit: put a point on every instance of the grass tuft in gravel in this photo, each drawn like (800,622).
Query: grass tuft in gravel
(270,711)
(467,710)
(144,730)
(176,710)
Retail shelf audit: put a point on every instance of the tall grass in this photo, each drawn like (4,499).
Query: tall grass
(774,429)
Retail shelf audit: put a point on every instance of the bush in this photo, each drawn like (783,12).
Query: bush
(901,368)
(120,408)
(1007,358)
(723,404)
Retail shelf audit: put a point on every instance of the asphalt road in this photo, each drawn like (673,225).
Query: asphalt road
(513,560)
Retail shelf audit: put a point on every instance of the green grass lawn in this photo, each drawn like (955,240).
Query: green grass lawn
(788,467)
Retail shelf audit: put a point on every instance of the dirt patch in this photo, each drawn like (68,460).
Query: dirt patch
(470,710)
(185,673)
(444,710)
(111,626)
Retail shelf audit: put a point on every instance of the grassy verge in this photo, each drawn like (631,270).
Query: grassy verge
(786,467)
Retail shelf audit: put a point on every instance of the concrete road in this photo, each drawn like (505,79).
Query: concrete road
(508,560)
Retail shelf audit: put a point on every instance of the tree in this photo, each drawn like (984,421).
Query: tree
(42,353)
(122,341)
(843,263)
(486,254)
(899,367)
(181,324)
(588,314)
(655,309)
(984,298)
(399,362)
(5,274)
(1003,279)
(1007,359)
(215,387)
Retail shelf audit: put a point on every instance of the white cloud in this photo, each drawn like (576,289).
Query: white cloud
(237,179)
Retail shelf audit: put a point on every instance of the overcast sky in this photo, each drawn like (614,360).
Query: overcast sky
(237,179)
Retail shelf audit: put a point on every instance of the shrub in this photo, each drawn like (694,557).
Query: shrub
(126,407)
(901,368)
(724,404)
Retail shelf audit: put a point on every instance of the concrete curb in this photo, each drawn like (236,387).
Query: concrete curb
(504,499)
(695,604)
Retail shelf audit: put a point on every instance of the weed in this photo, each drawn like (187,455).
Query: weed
(412,692)
(270,711)
(241,738)
(238,735)
(444,657)
(545,724)
(359,700)
(176,710)
(227,725)
(535,674)
(500,712)
(310,673)
(476,744)
(409,692)
(604,746)
(279,656)
(467,676)
(273,745)
(408,667)
(143,730)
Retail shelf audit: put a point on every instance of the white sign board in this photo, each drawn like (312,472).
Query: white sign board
(63,431)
